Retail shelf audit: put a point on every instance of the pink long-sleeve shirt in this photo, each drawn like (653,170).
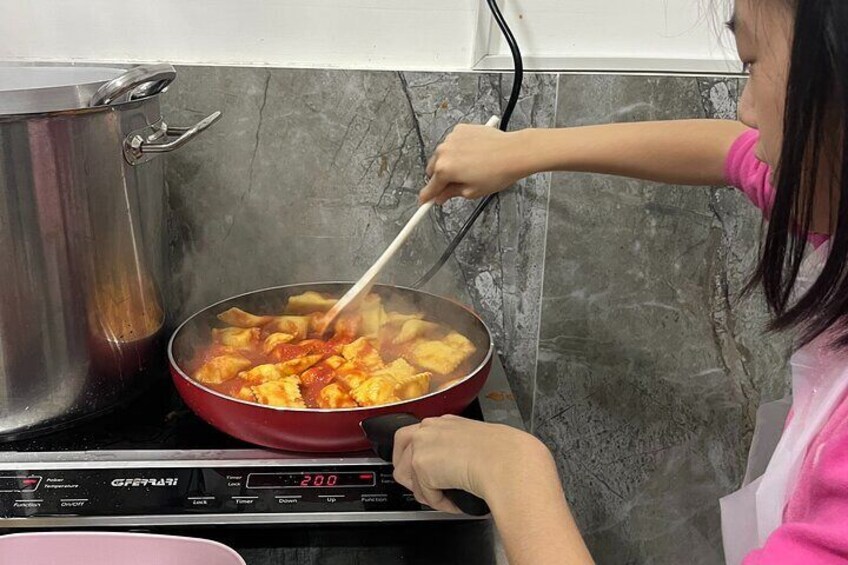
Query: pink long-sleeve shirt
(815,521)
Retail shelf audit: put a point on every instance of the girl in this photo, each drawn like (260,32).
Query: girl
(788,155)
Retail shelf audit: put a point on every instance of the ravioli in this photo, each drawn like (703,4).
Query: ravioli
(373,315)
(363,352)
(441,356)
(375,356)
(397,369)
(298,326)
(241,319)
(284,392)
(261,374)
(352,375)
(412,386)
(309,302)
(375,391)
(275,339)
(221,369)
(412,329)
(236,337)
(335,396)
(398,318)
(299,365)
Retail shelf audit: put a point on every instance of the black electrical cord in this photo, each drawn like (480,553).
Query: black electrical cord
(518,64)
(518,79)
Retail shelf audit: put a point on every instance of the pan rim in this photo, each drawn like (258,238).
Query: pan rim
(175,367)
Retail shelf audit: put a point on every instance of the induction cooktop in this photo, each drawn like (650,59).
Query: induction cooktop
(154,463)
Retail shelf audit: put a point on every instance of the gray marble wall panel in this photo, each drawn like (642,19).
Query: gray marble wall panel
(650,365)
(311,173)
(502,257)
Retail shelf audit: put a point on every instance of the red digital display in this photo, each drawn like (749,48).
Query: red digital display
(319,480)
(310,480)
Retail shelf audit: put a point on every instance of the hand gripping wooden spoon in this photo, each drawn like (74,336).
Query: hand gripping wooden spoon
(364,284)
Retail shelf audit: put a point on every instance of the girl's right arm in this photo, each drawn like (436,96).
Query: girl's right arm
(474,161)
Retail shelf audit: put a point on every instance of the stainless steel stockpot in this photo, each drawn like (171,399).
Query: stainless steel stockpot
(82,239)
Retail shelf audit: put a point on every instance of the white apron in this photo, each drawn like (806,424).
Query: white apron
(819,381)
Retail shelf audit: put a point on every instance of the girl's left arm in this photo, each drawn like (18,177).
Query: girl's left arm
(512,470)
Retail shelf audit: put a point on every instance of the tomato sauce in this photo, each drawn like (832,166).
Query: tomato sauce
(313,380)
(287,352)
(318,376)
(232,387)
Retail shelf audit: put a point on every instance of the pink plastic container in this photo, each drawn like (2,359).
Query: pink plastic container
(112,548)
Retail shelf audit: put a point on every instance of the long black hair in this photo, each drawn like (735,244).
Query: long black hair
(815,122)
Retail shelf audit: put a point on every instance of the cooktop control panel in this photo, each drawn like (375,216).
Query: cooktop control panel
(332,491)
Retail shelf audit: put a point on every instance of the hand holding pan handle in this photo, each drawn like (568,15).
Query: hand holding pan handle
(380,431)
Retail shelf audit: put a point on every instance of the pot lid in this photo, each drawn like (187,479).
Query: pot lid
(38,89)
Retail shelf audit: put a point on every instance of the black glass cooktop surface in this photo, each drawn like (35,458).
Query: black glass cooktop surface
(157,420)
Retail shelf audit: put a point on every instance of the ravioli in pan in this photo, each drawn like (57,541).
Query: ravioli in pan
(374,356)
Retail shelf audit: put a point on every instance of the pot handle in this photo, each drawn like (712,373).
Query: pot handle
(139,82)
(142,146)
(380,431)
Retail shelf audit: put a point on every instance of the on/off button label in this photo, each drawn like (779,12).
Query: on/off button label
(73,503)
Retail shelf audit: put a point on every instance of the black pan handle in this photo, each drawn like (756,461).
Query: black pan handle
(380,431)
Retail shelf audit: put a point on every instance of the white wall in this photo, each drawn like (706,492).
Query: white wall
(371,34)
(649,35)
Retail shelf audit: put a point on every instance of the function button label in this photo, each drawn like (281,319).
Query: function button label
(27,504)
(380,498)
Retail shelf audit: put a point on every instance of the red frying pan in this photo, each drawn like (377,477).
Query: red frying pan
(336,430)
(320,430)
